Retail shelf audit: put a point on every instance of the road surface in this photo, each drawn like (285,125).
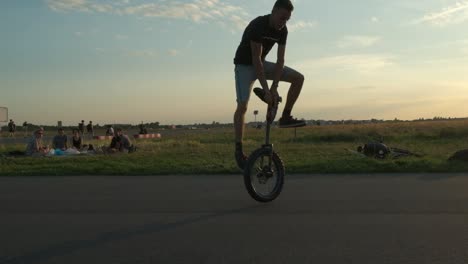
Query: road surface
(360,219)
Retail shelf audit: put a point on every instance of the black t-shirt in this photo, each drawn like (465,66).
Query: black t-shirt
(76,142)
(259,30)
(115,143)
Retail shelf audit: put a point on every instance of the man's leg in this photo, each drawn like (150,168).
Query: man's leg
(239,127)
(245,77)
(297,81)
(239,121)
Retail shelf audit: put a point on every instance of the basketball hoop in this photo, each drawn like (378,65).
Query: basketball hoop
(3,114)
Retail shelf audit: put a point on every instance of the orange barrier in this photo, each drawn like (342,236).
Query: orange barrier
(102,137)
(147,136)
(135,136)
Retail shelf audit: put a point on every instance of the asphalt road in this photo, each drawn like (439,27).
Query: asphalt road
(211,219)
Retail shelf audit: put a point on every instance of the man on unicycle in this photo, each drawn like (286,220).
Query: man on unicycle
(258,39)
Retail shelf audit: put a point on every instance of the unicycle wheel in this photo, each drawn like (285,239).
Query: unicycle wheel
(264,175)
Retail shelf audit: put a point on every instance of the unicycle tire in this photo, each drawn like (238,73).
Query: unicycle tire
(257,173)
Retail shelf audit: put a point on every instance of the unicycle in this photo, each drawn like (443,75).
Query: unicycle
(264,169)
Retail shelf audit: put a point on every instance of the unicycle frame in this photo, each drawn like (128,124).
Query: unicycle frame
(270,118)
(268,144)
(267,136)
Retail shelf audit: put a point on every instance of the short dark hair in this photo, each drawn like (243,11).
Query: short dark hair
(286,4)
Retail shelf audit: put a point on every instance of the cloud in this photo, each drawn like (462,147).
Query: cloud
(375,19)
(198,11)
(189,44)
(142,53)
(121,37)
(464,50)
(67,5)
(301,25)
(360,63)
(358,41)
(454,14)
(78,5)
(173,52)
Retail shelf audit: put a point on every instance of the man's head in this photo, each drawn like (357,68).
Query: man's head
(61,131)
(119,131)
(281,13)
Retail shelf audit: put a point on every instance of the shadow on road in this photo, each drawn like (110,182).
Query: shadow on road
(68,247)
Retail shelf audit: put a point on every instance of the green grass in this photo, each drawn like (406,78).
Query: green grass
(314,150)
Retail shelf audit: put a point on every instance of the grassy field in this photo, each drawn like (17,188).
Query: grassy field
(314,150)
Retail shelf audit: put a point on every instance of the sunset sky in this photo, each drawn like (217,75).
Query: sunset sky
(128,61)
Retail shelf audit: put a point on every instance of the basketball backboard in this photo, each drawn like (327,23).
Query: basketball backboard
(3,114)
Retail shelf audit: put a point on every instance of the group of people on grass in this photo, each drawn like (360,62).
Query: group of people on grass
(61,145)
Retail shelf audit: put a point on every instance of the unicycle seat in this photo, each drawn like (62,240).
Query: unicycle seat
(272,109)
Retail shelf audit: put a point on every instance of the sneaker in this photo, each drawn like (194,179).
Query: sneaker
(241,159)
(290,122)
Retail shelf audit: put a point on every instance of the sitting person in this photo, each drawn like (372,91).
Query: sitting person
(77,143)
(76,140)
(35,148)
(120,144)
(60,141)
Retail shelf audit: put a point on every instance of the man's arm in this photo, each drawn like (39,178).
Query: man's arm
(260,71)
(279,67)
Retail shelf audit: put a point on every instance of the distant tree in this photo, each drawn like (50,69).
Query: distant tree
(255,114)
